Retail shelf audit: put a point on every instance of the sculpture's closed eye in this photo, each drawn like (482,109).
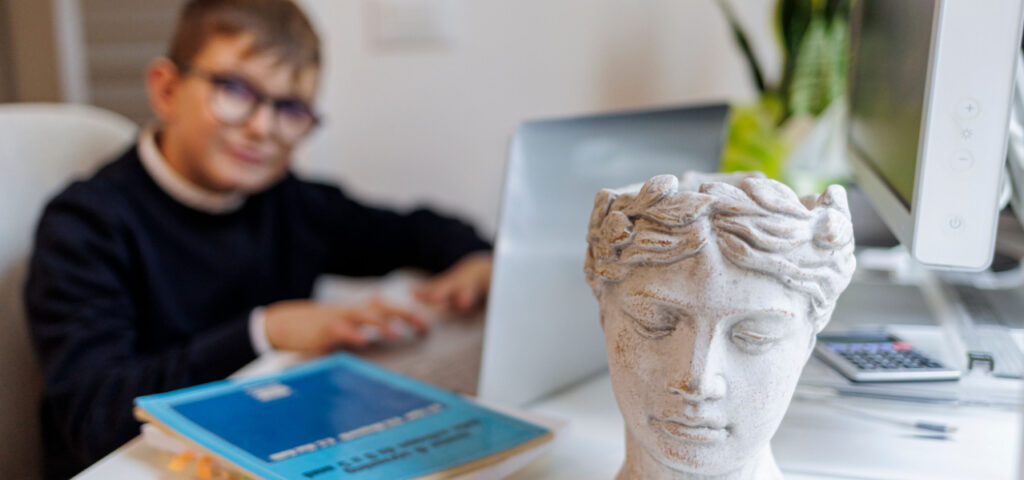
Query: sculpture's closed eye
(756,336)
(653,330)
(651,321)
(754,342)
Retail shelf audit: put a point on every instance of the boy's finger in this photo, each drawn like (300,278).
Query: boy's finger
(413,319)
(362,316)
(437,293)
(466,298)
(422,291)
(343,334)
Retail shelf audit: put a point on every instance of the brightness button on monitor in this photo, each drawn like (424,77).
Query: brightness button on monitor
(962,161)
(968,108)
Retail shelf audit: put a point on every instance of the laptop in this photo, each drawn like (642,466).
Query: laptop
(542,333)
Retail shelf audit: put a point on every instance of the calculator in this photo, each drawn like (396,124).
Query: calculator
(879,357)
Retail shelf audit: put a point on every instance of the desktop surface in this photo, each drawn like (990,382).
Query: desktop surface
(818,437)
(815,440)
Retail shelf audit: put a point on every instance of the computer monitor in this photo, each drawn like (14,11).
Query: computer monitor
(931,86)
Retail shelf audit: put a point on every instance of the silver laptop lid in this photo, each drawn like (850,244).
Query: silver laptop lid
(542,332)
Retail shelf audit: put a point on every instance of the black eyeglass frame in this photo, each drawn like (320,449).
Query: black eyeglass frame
(259,96)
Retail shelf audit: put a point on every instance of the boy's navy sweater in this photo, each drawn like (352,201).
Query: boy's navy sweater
(131,293)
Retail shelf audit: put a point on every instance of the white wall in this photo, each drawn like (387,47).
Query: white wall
(431,124)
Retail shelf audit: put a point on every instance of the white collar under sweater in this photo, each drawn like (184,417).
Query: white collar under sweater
(177,186)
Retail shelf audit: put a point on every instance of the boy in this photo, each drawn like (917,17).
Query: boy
(182,260)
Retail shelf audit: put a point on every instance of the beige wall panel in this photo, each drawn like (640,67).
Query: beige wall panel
(122,37)
(33,52)
(6,95)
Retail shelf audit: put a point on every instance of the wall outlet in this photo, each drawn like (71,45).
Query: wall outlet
(414,22)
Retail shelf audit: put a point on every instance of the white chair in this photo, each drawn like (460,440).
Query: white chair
(42,148)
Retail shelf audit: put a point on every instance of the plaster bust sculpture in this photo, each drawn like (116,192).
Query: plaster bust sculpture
(711,295)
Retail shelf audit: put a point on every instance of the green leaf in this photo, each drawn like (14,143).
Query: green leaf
(819,75)
(753,142)
(837,61)
(744,43)
(838,11)
(792,18)
(814,38)
(805,89)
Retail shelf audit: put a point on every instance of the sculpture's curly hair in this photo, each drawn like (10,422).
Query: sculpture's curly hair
(759,225)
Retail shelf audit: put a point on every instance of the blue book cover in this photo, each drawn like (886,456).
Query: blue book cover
(339,418)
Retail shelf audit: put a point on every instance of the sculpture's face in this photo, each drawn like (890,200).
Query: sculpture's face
(704,358)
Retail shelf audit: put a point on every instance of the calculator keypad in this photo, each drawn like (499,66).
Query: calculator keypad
(883,356)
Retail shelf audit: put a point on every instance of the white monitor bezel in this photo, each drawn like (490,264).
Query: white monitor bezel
(951,223)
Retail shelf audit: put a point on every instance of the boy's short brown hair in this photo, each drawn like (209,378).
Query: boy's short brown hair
(279,26)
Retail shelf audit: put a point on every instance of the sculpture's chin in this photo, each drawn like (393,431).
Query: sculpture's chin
(762,470)
(642,464)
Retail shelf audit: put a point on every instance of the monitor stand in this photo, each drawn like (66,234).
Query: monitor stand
(983,327)
(978,311)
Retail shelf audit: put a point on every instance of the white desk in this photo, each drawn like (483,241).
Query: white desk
(815,440)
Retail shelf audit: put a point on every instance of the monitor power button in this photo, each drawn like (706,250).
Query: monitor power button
(955,223)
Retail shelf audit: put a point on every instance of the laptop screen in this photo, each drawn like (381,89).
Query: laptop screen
(542,332)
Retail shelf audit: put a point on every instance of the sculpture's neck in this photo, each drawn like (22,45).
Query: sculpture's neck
(641,465)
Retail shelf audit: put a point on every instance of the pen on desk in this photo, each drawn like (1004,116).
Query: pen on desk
(918,424)
(830,394)
(929,436)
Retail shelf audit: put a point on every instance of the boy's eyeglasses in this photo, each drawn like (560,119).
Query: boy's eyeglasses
(234,101)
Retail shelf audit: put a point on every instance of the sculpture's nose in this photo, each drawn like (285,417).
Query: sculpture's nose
(700,377)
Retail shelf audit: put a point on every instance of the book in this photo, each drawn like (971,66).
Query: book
(339,418)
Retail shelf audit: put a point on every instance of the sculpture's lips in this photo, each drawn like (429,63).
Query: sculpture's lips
(694,430)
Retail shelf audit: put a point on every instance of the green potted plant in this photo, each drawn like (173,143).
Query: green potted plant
(794,132)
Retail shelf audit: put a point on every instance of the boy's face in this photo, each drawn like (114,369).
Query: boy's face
(247,156)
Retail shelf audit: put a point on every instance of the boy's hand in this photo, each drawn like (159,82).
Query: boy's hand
(308,326)
(462,288)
